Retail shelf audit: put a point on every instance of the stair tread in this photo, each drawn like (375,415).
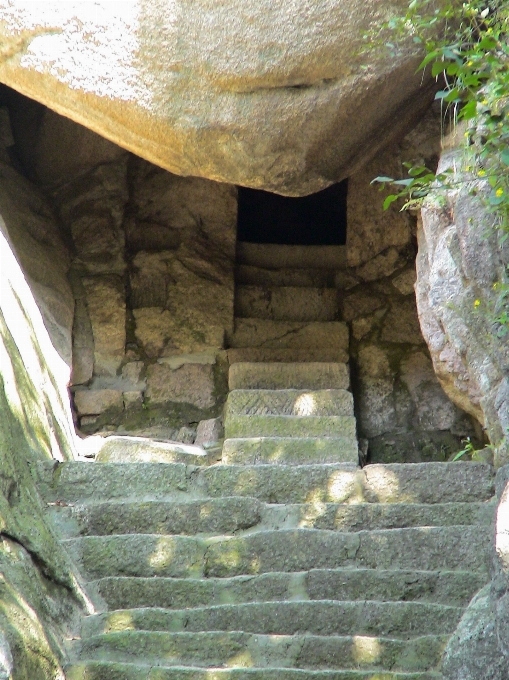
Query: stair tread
(273,334)
(286,303)
(448,587)
(319,617)
(102,670)
(231,648)
(275,256)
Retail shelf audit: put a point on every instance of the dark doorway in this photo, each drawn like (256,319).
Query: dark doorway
(318,219)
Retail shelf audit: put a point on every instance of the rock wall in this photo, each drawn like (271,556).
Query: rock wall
(41,595)
(401,408)
(461,264)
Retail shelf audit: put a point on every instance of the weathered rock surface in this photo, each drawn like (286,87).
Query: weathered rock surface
(219,90)
(459,267)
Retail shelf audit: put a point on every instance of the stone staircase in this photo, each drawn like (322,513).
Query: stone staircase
(289,379)
(284,560)
(273,571)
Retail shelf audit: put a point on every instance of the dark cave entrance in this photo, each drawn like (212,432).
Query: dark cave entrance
(315,220)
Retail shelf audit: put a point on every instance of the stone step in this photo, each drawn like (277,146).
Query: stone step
(290,450)
(287,356)
(273,256)
(303,376)
(428,548)
(455,588)
(290,402)
(215,516)
(288,303)
(251,275)
(79,482)
(124,449)
(342,483)
(268,334)
(237,649)
(231,515)
(237,426)
(388,619)
(105,670)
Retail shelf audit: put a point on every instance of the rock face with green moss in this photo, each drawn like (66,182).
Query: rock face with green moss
(41,596)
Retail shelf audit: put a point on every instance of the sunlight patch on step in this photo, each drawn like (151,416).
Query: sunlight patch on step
(344,487)
(241,660)
(118,621)
(384,484)
(366,649)
(305,405)
(164,554)
(311,512)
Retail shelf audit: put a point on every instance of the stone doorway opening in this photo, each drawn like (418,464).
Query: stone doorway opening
(315,220)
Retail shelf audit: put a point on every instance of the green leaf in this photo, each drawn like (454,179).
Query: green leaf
(469,111)
(438,67)
(404,182)
(389,200)
(431,56)
(504,156)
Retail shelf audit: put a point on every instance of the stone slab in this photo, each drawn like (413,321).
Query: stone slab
(274,256)
(269,376)
(290,450)
(290,402)
(268,355)
(286,303)
(251,275)
(237,426)
(125,449)
(289,334)
(95,402)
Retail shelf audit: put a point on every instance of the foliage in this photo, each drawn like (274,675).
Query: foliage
(467,51)
(470,450)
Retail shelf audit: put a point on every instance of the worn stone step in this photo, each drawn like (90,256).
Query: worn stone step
(287,356)
(236,426)
(215,516)
(78,482)
(387,619)
(250,275)
(104,670)
(123,449)
(269,334)
(343,483)
(273,256)
(455,588)
(289,402)
(303,376)
(429,548)
(290,450)
(286,303)
(237,649)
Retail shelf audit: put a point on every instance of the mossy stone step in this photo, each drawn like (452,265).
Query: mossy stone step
(269,334)
(289,402)
(78,482)
(238,649)
(343,483)
(464,548)
(455,588)
(236,426)
(279,376)
(286,303)
(103,670)
(290,450)
(214,516)
(387,619)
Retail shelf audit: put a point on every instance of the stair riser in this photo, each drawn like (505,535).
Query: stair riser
(390,619)
(306,376)
(289,334)
(286,356)
(290,451)
(418,483)
(286,304)
(230,515)
(463,548)
(289,426)
(117,671)
(238,649)
(451,588)
(290,403)
(250,275)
